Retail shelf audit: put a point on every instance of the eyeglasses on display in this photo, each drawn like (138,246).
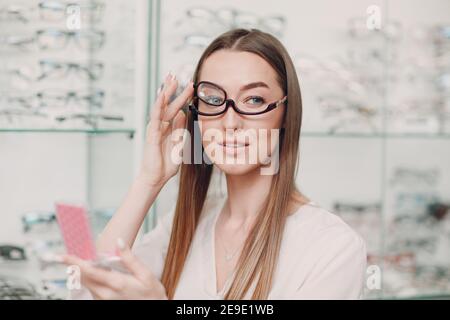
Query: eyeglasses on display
(12,288)
(56,70)
(89,118)
(17,42)
(53,39)
(91,11)
(12,253)
(31,219)
(229,18)
(58,99)
(15,12)
(50,69)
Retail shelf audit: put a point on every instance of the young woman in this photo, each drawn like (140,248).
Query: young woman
(265,240)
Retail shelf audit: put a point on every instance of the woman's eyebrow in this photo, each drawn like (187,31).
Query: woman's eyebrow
(254,85)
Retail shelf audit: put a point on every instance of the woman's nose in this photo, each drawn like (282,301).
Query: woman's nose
(231,119)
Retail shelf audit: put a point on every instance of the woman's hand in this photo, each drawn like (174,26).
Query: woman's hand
(113,285)
(158,166)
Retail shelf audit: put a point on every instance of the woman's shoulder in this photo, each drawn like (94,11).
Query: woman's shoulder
(317,243)
(314,224)
(321,256)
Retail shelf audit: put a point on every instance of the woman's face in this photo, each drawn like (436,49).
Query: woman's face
(238,143)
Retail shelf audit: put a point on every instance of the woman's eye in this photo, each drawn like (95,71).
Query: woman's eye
(214,100)
(256,100)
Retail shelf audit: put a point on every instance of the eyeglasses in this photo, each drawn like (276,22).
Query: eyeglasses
(56,98)
(54,69)
(229,18)
(56,10)
(90,119)
(414,203)
(12,288)
(13,115)
(358,209)
(194,40)
(91,11)
(58,39)
(20,42)
(8,252)
(15,13)
(31,219)
(414,177)
(18,102)
(211,100)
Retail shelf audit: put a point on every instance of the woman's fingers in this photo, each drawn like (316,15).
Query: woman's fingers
(158,107)
(163,114)
(155,114)
(179,121)
(91,275)
(175,107)
(169,91)
(174,113)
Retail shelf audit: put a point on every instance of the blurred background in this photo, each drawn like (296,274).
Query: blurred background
(77,82)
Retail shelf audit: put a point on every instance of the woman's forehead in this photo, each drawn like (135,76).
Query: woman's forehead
(232,69)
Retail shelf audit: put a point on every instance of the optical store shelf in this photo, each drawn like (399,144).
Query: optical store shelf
(131,131)
(376,135)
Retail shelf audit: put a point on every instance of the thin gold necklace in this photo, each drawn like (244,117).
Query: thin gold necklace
(228,256)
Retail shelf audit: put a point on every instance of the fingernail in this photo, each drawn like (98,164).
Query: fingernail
(159,90)
(169,75)
(120,244)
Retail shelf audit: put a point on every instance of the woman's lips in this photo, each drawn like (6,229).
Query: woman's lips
(233,145)
(233,148)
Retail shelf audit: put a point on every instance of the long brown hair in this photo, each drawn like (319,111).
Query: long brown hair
(259,255)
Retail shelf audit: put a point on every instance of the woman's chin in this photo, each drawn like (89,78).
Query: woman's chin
(236,169)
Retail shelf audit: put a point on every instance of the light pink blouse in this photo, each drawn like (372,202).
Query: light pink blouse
(321,257)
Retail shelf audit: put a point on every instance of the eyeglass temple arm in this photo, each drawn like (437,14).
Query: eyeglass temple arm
(284,100)
(276,104)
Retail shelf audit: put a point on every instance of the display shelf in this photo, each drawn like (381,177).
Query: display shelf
(129,131)
(88,146)
(358,135)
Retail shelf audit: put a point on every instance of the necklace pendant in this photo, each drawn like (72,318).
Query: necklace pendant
(228,257)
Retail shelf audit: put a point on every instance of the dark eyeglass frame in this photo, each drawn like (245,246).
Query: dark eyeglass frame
(194,106)
(12,253)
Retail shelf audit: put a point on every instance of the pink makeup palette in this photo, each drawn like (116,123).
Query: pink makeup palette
(76,231)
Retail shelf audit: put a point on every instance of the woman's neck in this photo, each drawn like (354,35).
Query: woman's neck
(246,196)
